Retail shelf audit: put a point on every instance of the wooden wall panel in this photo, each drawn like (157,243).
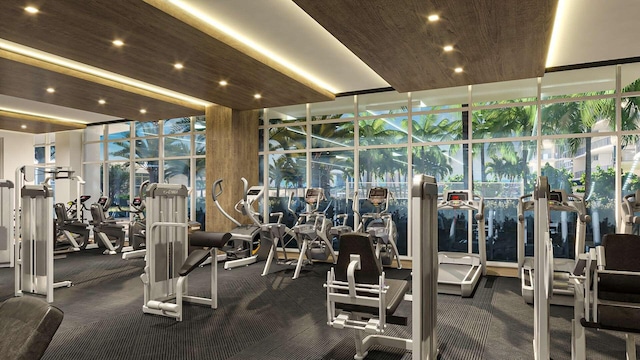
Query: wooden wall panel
(232,153)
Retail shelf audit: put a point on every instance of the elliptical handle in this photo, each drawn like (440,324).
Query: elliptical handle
(215,193)
(245,185)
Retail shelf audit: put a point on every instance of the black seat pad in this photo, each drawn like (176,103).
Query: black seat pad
(195,258)
(209,239)
(27,325)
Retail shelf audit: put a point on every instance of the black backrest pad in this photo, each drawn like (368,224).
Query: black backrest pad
(61,212)
(209,239)
(27,325)
(97,214)
(358,243)
(622,253)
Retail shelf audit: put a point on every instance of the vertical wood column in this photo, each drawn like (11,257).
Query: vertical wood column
(232,153)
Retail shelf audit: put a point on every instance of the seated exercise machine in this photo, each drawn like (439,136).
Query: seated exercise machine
(108,234)
(168,262)
(380,226)
(6,223)
(459,272)
(557,200)
(607,292)
(244,247)
(312,232)
(360,297)
(630,206)
(27,326)
(71,234)
(34,243)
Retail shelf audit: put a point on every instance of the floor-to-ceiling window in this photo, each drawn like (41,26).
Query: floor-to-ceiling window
(579,128)
(168,151)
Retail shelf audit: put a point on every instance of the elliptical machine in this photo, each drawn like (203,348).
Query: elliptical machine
(312,231)
(244,246)
(380,226)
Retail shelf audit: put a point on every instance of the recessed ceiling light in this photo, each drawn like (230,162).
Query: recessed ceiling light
(143,111)
(51,90)
(102,101)
(23,126)
(257,96)
(117,42)
(31,10)
(433,17)
(448,48)
(458,69)
(178,66)
(223,83)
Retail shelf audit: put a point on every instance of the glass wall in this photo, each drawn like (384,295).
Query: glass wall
(169,151)
(580,128)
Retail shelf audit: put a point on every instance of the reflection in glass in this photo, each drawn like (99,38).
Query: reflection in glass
(504,122)
(177,146)
(287,138)
(287,114)
(447,163)
(383,131)
(119,184)
(146,148)
(577,117)
(200,123)
(119,150)
(201,191)
(201,144)
(177,126)
(383,104)
(436,127)
(340,108)
(329,135)
(145,128)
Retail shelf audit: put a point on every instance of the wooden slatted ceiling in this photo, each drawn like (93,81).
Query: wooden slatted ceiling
(30,82)
(34,124)
(83,30)
(495,40)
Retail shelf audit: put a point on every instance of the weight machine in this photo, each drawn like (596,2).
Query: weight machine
(168,262)
(359,296)
(34,248)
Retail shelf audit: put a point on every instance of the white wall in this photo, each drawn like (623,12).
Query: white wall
(18,151)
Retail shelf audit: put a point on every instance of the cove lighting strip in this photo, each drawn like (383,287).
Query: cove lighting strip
(250,43)
(559,30)
(22,112)
(57,60)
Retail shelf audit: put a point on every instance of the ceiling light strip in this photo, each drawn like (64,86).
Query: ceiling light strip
(60,61)
(559,30)
(35,116)
(248,42)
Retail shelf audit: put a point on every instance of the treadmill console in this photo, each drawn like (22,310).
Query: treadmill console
(456,199)
(314,195)
(378,195)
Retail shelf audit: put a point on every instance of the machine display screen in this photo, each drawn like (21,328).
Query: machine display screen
(314,192)
(378,192)
(253,192)
(555,196)
(457,197)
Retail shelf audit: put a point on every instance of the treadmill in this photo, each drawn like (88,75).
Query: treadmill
(459,272)
(630,206)
(558,201)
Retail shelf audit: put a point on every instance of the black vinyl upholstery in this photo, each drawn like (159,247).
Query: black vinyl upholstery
(622,252)
(360,244)
(204,239)
(27,325)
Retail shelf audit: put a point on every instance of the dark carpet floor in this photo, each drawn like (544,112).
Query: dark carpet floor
(275,317)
